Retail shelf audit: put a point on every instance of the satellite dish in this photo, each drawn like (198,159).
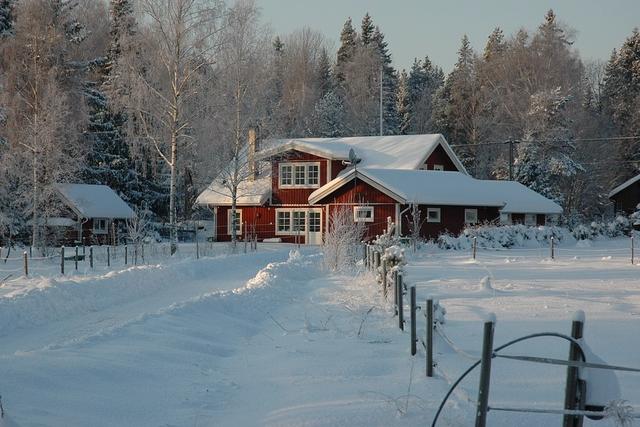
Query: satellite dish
(353,159)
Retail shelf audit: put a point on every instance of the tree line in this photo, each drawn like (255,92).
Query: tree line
(155,98)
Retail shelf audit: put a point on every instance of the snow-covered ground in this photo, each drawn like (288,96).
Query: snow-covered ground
(269,338)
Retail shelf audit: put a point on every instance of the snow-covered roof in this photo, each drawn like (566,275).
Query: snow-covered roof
(445,188)
(250,193)
(624,185)
(94,201)
(55,222)
(388,152)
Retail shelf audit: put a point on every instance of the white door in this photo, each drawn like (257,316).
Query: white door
(314,224)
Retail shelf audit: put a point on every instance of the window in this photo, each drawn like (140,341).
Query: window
(100,225)
(505,218)
(298,221)
(471,216)
(300,175)
(438,167)
(433,214)
(284,221)
(238,222)
(363,213)
(286,175)
(314,222)
(530,219)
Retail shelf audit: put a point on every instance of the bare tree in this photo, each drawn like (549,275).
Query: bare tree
(342,239)
(416,221)
(182,40)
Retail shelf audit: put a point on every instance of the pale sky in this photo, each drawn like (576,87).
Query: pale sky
(414,28)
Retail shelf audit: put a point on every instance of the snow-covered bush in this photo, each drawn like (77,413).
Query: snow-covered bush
(505,236)
(342,240)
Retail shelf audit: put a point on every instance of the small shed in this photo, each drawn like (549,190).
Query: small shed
(98,212)
(626,196)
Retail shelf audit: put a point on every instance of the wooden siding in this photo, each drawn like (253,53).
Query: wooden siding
(440,157)
(263,218)
(451,219)
(627,200)
(295,196)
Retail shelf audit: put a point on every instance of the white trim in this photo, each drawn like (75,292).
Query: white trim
(447,148)
(439,219)
(328,170)
(367,218)
(340,181)
(528,219)
(293,166)
(398,220)
(291,231)
(229,230)
(100,230)
(297,146)
(471,211)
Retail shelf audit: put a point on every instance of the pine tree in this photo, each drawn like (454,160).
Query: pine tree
(6,18)
(495,46)
(403,103)
(329,117)
(367,30)
(346,50)
(423,82)
(391,121)
(325,79)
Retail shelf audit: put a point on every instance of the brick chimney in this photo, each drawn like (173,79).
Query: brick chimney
(253,148)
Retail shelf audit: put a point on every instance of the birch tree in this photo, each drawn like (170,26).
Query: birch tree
(182,42)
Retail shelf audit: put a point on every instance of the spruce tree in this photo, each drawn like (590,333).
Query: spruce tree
(346,50)
(366,31)
(391,121)
(325,78)
(6,18)
(495,46)
(403,103)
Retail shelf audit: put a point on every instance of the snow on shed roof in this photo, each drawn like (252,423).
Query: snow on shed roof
(94,201)
(445,188)
(388,152)
(624,185)
(250,193)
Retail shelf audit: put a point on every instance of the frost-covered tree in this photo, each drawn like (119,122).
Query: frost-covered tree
(423,82)
(403,103)
(342,239)
(329,117)
(6,17)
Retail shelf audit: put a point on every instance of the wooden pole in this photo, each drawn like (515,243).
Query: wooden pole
(384,278)
(414,308)
(395,292)
(135,254)
(552,248)
(197,245)
(76,258)
(482,405)
(475,246)
(632,249)
(108,256)
(571,394)
(142,251)
(26,263)
(400,303)
(126,254)
(62,260)
(376,263)
(91,256)
(429,343)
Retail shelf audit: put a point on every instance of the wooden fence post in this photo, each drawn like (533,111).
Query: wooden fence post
(400,303)
(485,373)
(135,254)
(414,308)
(91,256)
(108,256)
(429,337)
(26,263)
(552,248)
(475,246)
(76,258)
(632,249)
(376,260)
(62,260)
(142,251)
(126,254)
(572,397)
(384,278)
(395,291)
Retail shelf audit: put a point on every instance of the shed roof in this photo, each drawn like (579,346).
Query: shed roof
(624,185)
(94,201)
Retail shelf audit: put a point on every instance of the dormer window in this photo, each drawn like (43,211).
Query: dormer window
(300,175)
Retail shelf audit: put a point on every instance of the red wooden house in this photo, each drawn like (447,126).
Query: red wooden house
(298,183)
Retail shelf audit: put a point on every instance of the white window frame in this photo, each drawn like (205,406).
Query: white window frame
(100,230)
(474,213)
(529,221)
(358,209)
(239,224)
(438,167)
(291,228)
(505,218)
(434,220)
(294,167)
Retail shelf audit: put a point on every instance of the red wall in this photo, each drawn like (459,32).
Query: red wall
(295,196)
(440,157)
(262,217)
(451,219)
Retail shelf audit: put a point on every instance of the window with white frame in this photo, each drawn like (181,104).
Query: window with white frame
(505,218)
(100,225)
(433,214)
(530,219)
(300,175)
(238,222)
(363,213)
(471,216)
(289,221)
(438,167)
